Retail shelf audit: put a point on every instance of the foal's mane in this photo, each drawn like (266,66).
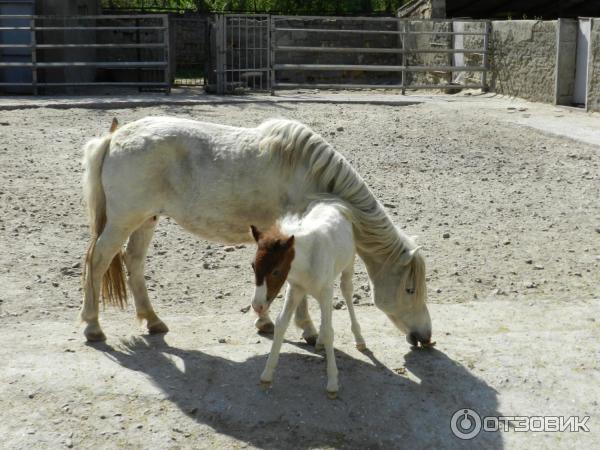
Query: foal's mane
(295,145)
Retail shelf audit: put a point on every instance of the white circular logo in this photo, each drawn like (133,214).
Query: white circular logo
(465,424)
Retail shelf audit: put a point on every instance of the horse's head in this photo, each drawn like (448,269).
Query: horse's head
(400,291)
(271,265)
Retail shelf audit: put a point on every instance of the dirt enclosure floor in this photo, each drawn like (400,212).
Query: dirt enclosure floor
(509,219)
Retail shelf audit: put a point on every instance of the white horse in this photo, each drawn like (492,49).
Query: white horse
(309,252)
(214,180)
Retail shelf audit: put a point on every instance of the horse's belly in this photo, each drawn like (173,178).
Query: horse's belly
(228,223)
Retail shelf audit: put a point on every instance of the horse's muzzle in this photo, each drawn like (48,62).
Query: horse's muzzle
(414,338)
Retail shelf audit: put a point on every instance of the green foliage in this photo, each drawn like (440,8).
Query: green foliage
(337,7)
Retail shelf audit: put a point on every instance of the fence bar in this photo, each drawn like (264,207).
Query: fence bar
(286,48)
(333,30)
(376,68)
(373,86)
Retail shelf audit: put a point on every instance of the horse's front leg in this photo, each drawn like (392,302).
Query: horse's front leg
(293,296)
(304,322)
(326,338)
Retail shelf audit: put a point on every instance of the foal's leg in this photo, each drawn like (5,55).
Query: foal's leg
(135,256)
(304,322)
(107,246)
(347,289)
(326,337)
(293,296)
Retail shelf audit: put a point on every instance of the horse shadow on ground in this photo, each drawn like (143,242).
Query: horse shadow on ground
(376,407)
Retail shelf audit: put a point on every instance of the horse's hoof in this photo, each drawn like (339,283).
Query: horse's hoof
(267,328)
(93,333)
(158,328)
(332,395)
(311,340)
(361,347)
(264,385)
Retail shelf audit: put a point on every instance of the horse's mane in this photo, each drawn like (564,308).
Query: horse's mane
(330,175)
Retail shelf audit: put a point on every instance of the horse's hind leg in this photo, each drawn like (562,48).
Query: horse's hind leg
(135,256)
(347,290)
(105,249)
(303,321)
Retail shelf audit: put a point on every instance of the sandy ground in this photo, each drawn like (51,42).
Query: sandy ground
(509,217)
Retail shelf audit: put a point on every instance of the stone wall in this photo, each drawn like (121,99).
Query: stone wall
(523,59)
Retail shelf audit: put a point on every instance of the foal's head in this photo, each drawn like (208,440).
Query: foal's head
(271,265)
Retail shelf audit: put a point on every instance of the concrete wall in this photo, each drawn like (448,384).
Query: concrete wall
(593,98)
(523,59)
(566,53)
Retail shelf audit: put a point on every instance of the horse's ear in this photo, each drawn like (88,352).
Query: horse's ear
(255,233)
(408,255)
(289,242)
(114,125)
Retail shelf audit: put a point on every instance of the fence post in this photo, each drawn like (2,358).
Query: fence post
(219,45)
(403,57)
(33,56)
(271,57)
(485,63)
(167,54)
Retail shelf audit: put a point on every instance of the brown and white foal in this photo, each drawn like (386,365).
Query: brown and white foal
(308,252)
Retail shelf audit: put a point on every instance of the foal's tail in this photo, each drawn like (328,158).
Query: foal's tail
(113,290)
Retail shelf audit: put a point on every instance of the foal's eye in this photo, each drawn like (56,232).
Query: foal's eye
(410,291)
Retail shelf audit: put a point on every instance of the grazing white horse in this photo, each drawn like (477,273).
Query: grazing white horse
(309,252)
(214,180)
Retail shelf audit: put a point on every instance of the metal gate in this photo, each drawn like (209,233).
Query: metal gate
(243,52)
(262,52)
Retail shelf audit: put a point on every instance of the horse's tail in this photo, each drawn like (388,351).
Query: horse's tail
(113,290)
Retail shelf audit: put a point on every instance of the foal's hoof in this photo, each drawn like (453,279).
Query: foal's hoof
(267,328)
(93,333)
(158,328)
(311,340)
(332,395)
(361,347)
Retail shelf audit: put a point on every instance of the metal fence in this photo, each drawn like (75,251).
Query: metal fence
(79,51)
(410,54)
(350,52)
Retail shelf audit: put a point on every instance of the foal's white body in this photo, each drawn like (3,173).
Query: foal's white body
(324,248)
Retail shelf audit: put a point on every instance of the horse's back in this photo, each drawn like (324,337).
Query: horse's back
(201,174)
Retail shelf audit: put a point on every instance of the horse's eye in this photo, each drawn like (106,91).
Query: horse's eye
(410,291)
(276,273)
